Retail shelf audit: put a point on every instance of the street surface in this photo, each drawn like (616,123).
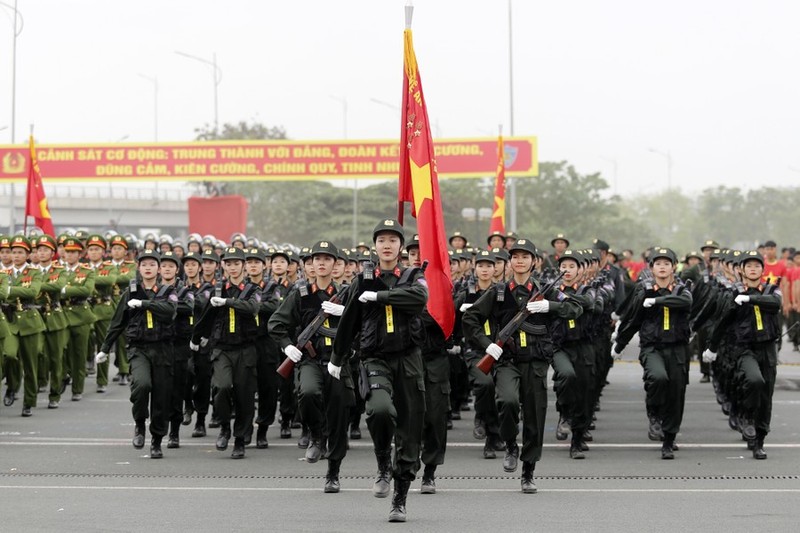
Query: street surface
(74,469)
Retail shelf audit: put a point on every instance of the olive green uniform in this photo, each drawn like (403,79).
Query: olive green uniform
(103,309)
(75,299)
(51,364)
(27,325)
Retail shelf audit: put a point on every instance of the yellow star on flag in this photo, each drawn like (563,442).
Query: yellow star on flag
(500,208)
(421,183)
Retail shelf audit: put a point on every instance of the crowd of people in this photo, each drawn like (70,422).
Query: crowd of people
(234,336)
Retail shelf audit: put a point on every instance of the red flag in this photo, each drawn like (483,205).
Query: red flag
(498,222)
(419,184)
(36,201)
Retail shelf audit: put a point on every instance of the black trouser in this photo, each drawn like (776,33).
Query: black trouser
(459,382)
(268,379)
(288,399)
(666,372)
(324,404)
(396,409)
(151,383)
(483,389)
(180,377)
(201,383)
(235,378)
(573,369)
(757,369)
(522,384)
(358,407)
(437,394)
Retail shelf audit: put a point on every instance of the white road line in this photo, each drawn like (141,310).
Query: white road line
(317,489)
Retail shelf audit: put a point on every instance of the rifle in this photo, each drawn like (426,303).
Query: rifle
(304,339)
(487,362)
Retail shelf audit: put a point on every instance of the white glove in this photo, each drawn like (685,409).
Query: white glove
(293,353)
(542,306)
(649,302)
(741,299)
(455,350)
(368,296)
(334,370)
(332,308)
(194,347)
(101,357)
(203,342)
(217,301)
(615,317)
(134,303)
(709,356)
(464,307)
(63,290)
(614,333)
(494,350)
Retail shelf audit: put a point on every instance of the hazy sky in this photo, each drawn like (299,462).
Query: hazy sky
(716,83)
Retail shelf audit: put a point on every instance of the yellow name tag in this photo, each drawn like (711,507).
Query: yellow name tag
(523,340)
(231,320)
(759,323)
(571,324)
(666,318)
(327,339)
(257,322)
(487,329)
(389,320)
(149,316)
(191,320)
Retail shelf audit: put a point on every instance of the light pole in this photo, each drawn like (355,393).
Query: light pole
(217,74)
(512,182)
(386,104)
(613,162)
(154,81)
(342,100)
(17,32)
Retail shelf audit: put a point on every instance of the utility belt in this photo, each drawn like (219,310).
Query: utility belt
(76,301)
(26,307)
(100,300)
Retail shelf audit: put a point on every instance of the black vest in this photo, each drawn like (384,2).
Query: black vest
(143,327)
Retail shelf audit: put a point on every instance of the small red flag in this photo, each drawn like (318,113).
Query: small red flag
(498,222)
(419,184)
(36,200)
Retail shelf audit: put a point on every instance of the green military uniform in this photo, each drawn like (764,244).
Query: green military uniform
(75,299)
(51,369)
(26,323)
(7,345)
(389,328)
(102,301)
(126,271)
(521,371)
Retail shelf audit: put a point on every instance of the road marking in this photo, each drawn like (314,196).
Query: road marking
(73,441)
(317,489)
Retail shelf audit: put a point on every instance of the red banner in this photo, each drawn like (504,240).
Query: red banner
(261,160)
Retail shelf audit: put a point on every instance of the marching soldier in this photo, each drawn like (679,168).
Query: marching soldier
(228,324)
(26,323)
(288,400)
(146,314)
(75,298)
(659,311)
(55,320)
(126,270)
(323,402)
(103,304)
(521,371)
(383,311)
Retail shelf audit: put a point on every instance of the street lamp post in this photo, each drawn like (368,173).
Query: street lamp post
(16,33)
(217,74)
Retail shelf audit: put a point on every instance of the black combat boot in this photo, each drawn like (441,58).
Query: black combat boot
(666,448)
(224,436)
(380,489)
(429,480)
(138,435)
(511,460)
(155,447)
(575,451)
(528,486)
(398,512)
(332,477)
(238,448)
(187,416)
(200,426)
(758,450)
(261,437)
(174,434)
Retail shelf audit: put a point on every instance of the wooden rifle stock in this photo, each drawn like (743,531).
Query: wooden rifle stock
(487,361)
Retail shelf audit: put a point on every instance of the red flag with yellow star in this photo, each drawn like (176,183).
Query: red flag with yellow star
(36,201)
(498,222)
(419,184)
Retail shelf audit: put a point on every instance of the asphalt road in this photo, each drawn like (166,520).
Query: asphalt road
(73,469)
